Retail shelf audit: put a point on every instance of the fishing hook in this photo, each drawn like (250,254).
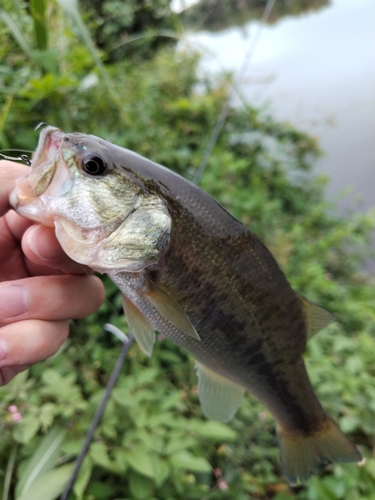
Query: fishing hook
(41,125)
(24,158)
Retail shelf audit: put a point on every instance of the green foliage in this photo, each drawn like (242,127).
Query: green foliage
(134,29)
(153,441)
(222,14)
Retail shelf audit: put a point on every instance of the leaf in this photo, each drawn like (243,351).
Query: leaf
(164,420)
(9,472)
(16,33)
(5,111)
(42,460)
(370,467)
(123,397)
(38,12)
(146,376)
(72,447)
(319,490)
(179,443)
(216,431)
(50,485)
(100,491)
(157,443)
(26,429)
(120,458)
(47,412)
(140,486)
(140,417)
(99,454)
(349,423)
(140,460)
(161,468)
(83,478)
(171,401)
(354,364)
(186,460)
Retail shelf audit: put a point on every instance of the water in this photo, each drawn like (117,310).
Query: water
(317,71)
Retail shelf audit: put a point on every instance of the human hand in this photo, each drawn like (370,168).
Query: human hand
(40,286)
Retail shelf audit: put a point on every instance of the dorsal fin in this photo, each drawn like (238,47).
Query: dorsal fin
(317,318)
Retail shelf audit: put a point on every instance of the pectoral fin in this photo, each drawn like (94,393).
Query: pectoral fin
(219,397)
(317,318)
(168,308)
(139,326)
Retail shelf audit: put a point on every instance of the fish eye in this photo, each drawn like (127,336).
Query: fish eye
(93,164)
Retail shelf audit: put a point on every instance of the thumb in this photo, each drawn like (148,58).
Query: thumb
(9,173)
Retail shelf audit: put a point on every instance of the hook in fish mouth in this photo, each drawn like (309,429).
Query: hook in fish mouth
(41,125)
(49,143)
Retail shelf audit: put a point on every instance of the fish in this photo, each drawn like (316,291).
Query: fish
(188,269)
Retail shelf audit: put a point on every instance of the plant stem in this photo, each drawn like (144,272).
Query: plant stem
(9,472)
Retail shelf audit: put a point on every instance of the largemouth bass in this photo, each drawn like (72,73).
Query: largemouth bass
(188,269)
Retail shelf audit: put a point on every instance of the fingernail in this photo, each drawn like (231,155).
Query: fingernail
(3,350)
(44,244)
(13,301)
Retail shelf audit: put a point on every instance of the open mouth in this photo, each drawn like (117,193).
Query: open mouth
(30,189)
(49,143)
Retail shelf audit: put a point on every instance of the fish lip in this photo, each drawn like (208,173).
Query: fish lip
(49,143)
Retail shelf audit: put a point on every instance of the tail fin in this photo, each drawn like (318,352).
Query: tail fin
(301,454)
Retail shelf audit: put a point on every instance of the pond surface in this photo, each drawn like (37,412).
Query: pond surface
(317,71)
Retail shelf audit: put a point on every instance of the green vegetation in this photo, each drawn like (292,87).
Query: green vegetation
(153,442)
(217,15)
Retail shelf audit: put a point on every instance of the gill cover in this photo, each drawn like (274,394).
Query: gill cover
(103,217)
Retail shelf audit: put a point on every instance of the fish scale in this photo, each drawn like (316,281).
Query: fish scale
(252,368)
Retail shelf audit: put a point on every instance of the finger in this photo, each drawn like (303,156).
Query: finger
(26,342)
(50,298)
(9,372)
(13,264)
(9,173)
(17,224)
(42,248)
(11,256)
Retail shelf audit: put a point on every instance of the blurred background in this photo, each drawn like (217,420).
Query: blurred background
(313,67)
(294,161)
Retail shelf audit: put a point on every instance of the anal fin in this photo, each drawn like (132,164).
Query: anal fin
(139,326)
(219,397)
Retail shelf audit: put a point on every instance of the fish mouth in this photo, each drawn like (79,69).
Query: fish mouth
(49,143)
(46,171)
